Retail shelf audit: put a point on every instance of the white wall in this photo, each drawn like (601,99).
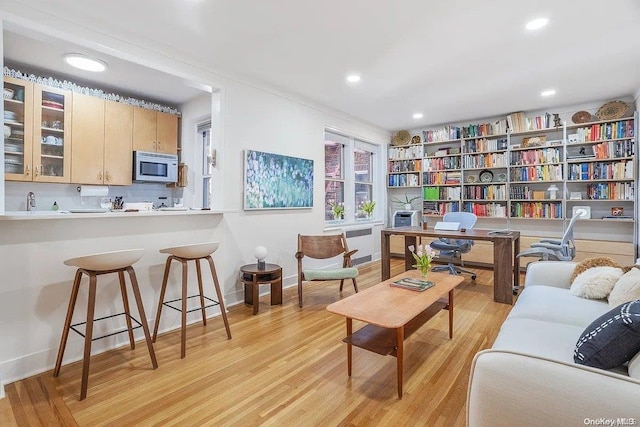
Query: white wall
(36,284)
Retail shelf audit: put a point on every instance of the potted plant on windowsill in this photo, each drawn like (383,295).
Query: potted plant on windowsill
(405,202)
(338,210)
(367,207)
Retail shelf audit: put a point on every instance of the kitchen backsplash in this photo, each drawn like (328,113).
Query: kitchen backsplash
(67,196)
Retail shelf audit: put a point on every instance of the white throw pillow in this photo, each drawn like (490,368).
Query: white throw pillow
(634,367)
(596,282)
(626,289)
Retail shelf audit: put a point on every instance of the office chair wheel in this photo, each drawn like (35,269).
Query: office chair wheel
(473,277)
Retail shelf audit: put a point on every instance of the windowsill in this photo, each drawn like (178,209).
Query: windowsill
(359,223)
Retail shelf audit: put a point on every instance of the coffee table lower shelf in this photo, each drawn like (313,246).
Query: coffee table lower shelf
(383,340)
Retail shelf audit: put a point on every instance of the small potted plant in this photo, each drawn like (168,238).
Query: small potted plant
(337,209)
(406,202)
(367,207)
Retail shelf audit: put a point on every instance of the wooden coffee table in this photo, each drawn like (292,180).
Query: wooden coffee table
(393,314)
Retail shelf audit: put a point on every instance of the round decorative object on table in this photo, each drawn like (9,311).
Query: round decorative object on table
(502,177)
(402,137)
(416,139)
(471,179)
(486,176)
(612,110)
(581,117)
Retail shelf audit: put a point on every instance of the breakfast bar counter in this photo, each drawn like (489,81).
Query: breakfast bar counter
(64,214)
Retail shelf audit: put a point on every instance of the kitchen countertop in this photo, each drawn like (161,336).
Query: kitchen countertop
(37,215)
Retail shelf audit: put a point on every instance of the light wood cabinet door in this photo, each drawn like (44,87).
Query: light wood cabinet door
(87,149)
(18,144)
(51,134)
(144,129)
(167,133)
(118,146)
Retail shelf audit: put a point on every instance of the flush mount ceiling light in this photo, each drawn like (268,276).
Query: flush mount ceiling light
(353,78)
(548,92)
(417,115)
(536,24)
(85,63)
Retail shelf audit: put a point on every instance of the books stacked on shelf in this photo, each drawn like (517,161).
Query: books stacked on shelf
(604,131)
(484,145)
(525,193)
(447,133)
(442,163)
(405,166)
(413,284)
(611,191)
(617,217)
(453,178)
(408,152)
(488,160)
(601,170)
(614,149)
(539,156)
(440,208)
(486,192)
(518,122)
(485,129)
(536,210)
(536,173)
(489,210)
(404,180)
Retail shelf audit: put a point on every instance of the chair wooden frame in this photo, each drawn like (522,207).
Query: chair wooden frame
(323,247)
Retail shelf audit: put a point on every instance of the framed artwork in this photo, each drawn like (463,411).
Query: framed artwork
(534,141)
(274,181)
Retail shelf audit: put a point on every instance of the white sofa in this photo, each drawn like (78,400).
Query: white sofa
(529,378)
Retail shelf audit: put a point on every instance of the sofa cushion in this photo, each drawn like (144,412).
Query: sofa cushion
(612,339)
(626,289)
(539,338)
(596,282)
(554,304)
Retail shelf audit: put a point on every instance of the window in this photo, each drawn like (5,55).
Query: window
(352,177)
(208,162)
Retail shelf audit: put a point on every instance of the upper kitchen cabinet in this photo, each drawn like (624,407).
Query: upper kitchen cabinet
(102,141)
(155,131)
(18,129)
(52,134)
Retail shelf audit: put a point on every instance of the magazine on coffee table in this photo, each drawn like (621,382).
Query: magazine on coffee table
(413,284)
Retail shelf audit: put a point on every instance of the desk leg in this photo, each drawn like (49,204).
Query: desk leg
(400,356)
(385,249)
(254,291)
(502,270)
(349,346)
(408,258)
(516,263)
(451,314)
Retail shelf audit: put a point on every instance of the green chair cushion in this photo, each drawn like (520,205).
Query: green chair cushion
(332,274)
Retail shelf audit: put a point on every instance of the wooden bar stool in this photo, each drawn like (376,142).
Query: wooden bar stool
(95,265)
(182,254)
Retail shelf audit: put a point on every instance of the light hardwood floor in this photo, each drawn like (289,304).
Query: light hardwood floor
(285,366)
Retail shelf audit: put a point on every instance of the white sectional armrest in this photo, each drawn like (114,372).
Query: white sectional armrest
(514,389)
(549,273)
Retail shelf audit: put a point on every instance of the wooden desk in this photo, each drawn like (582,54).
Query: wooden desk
(506,267)
(393,314)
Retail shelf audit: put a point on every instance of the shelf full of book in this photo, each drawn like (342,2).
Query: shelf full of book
(535,173)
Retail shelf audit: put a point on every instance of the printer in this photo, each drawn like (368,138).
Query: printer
(406,219)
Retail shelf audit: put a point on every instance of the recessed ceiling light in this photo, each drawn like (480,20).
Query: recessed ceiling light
(85,63)
(417,115)
(549,92)
(536,24)
(353,78)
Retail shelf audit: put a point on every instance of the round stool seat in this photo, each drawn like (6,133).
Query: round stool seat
(106,261)
(198,250)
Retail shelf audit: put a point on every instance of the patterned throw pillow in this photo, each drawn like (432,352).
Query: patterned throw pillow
(612,339)
(627,288)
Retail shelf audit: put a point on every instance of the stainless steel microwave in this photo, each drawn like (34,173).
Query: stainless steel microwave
(154,167)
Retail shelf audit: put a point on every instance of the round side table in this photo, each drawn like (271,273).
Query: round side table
(252,278)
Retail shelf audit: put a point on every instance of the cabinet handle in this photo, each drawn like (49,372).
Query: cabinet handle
(35,171)
(154,145)
(159,145)
(26,170)
(41,169)
(100,176)
(107,177)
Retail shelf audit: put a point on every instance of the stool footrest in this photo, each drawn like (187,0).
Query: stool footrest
(73,327)
(214,303)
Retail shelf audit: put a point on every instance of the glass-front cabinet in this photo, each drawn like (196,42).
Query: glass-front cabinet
(18,129)
(51,136)
(37,126)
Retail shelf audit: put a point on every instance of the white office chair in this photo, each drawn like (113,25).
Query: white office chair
(454,248)
(555,250)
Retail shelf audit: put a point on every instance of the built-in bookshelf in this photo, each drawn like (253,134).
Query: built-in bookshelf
(523,168)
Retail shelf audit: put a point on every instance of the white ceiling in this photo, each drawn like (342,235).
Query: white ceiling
(452,60)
